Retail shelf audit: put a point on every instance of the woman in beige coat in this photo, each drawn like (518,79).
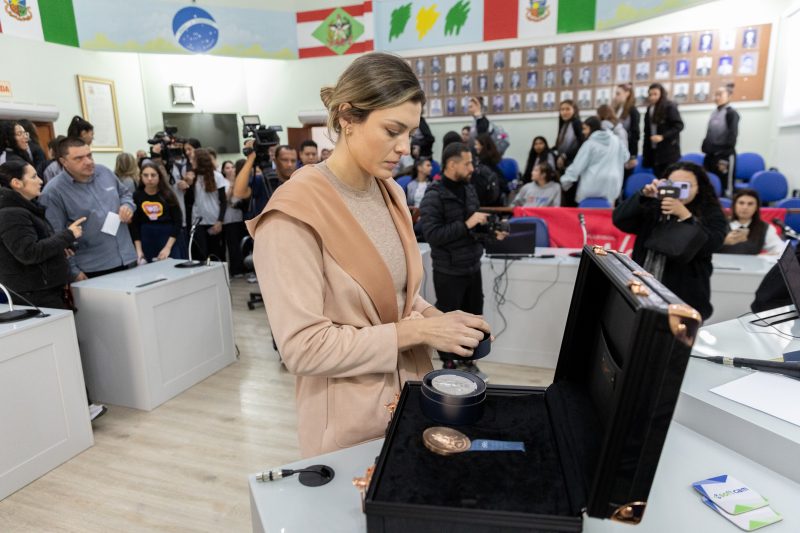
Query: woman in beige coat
(340,269)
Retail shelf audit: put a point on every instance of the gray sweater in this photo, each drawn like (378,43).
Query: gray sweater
(67,200)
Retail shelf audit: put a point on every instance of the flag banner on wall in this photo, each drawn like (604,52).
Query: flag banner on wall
(537,18)
(331,32)
(406,25)
(167,27)
(58,22)
(534,19)
(615,13)
(21,18)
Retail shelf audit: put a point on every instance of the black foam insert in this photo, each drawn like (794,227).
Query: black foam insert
(530,482)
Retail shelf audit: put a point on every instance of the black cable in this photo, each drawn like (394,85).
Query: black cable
(41,314)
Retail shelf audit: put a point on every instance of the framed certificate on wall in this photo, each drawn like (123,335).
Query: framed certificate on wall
(99,106)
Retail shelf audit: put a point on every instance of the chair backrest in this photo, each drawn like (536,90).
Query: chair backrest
(635,182)
(725,202)
(510,168)
(792,220)
(542,233)
(403,181)
(716,183)
(771,185)
(694,158)
(747,164)
(639,169)
(436,168)
(594,203)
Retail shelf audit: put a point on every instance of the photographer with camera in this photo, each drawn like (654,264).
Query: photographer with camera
(456,231)
(678,223)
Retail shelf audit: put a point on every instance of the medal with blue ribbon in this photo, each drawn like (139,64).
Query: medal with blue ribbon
(448,441)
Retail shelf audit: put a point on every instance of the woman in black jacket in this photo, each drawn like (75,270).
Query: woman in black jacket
(625,108)
(570,134)
(662,131)
(13,142)
(33,258)
(643,213)
(723,130)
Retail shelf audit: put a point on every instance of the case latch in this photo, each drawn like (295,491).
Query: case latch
(392,406)
(362,484)
(599,250)
(630,513)
(638,288)
(684,321)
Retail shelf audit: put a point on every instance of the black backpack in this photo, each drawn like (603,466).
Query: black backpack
(486,182)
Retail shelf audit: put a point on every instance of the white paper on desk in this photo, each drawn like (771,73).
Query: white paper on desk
(773,394)
(111,224)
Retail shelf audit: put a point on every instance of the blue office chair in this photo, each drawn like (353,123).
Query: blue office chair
(639,168)
(716,183)
(694,158)
(403,181)
(635,182)
(542,233)
(747,164)
(792,220)
(770,184)
(509,168)
(726,203)
(594,203)
(436,168)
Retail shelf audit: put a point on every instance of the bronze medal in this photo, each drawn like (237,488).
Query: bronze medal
(445,441)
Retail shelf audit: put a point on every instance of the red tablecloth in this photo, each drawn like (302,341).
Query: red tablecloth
(565,230)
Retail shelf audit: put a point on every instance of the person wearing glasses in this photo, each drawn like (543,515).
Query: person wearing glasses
(14,142)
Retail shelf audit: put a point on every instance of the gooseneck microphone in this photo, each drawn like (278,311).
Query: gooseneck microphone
(786,368)
(787,231)
(191,263)
(13,315)
(582,222)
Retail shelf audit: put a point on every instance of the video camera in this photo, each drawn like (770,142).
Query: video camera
(263,137)
(167,139)
(494,223)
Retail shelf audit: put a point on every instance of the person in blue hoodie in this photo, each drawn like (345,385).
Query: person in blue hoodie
(599,164)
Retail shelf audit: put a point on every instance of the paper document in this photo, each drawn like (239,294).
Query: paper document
(111,224)
(773,394)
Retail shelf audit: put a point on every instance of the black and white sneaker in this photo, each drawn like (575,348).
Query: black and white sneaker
(96,410)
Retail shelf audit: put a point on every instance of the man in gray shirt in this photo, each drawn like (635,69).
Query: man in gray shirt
(93,191)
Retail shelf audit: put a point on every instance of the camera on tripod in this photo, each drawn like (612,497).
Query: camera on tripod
(167,139)
(263,137)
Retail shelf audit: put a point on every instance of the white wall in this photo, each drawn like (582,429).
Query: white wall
(276,90)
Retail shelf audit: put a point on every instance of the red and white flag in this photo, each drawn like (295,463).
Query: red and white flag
(337,31)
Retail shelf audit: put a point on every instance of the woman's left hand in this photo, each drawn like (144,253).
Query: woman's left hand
(216,228)
(164,253)
(674,207)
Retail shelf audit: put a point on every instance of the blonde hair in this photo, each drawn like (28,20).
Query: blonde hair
(127,167)
(371,82)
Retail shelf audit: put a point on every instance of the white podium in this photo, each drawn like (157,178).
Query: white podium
(44,416)
(151,332)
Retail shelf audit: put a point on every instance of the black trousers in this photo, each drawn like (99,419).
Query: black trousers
(458,293)
(234,233)
(206,244)
(104,272)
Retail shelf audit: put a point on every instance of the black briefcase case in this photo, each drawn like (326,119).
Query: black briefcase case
(593,438)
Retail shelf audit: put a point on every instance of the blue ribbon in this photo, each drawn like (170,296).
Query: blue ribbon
(483,445)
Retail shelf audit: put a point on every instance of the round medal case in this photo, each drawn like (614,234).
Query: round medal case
(452,397)
(482,350)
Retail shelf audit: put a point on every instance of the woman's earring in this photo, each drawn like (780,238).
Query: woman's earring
(348,131)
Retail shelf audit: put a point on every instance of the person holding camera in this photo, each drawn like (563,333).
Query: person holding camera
(257,187)
(679,224)
(451,225)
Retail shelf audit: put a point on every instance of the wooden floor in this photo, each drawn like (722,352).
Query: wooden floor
(183,466)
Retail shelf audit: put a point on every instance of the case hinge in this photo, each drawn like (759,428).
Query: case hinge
(392,406)
(630,513)
(362,484)
(684,321)
(638,288)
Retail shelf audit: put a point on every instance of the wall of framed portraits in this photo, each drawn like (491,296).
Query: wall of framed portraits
(530,79)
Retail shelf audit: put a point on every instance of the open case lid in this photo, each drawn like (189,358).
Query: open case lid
(625,349)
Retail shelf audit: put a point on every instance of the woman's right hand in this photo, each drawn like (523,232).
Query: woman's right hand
(651,189)
(455,332)
(75,227)
(736,236)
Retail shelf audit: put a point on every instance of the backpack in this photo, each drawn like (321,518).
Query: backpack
(487,184)
(500,137)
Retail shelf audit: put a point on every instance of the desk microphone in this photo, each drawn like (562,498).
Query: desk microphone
(786,368)
(787,231)
(191,263)
(582,221)
(13,315)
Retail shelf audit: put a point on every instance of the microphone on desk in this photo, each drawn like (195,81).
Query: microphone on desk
(582,221)
(786,368)
(13,315)
(786,230)
(191,263)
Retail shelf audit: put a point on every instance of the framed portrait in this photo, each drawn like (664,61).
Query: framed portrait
(99,106)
